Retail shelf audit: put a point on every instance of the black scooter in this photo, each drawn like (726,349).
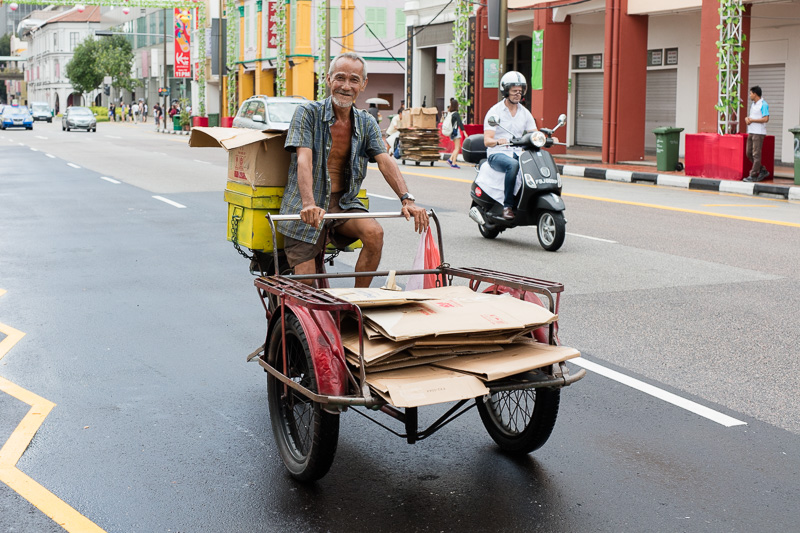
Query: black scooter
(538,202)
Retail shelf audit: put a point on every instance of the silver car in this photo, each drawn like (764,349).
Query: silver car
(261,112)
(78,118)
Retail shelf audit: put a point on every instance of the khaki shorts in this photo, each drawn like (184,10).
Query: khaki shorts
(298,252)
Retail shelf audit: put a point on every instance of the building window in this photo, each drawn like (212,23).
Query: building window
(55,42)
(376,21)
(399,24)
(73,40)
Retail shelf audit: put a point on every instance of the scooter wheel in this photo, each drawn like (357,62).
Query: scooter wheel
(490,232)
(551,230)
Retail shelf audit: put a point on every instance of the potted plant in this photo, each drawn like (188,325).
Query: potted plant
(185,115)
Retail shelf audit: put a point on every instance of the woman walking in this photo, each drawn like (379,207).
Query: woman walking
(455,136)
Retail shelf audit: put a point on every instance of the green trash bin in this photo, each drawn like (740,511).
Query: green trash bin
(668,143)
(176,122)
(796,132)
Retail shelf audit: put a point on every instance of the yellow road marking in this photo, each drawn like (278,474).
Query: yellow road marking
(638,204)
(684,210)
(11,452)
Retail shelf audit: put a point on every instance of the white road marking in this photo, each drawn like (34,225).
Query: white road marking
(170,202)
(113,137)
(198,161)
(21,144)
(379,196)
(51,156)
(73,165)
(110,180)
(34,150)
(40,137)
(661,394)
(592,238)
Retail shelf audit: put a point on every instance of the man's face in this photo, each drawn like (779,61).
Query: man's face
(515,95)
(753,96)
(346,81)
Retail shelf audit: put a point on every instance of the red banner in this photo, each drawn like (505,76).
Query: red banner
(183,24)
(272,35)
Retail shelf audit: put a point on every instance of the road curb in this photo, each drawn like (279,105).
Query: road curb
(683,182)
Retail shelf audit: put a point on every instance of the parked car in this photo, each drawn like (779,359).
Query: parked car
(41,111)
(16,116)
(261,112)
(78,118)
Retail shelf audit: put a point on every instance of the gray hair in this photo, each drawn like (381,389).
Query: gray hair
(349,55)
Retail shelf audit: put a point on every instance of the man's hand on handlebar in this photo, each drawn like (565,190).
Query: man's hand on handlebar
(312,215)
(420,215)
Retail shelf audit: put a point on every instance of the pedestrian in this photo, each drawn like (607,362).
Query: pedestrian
(135,111)
(373,110)
(157,114)
(393,133)
(111,112)
(756,131)
(130,112)
(122,112)
(144,111)
(455,128)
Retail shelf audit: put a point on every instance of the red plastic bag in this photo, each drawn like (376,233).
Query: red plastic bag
(428,257)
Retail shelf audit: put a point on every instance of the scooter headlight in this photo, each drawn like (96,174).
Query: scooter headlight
(529,181)
(539,139)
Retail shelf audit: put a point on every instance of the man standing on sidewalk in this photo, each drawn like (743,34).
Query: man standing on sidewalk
(756,131)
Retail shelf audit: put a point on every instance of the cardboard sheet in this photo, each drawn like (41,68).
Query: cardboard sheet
(374,349)
(465,349)
(514,358)
(377,297)
(458,310)
(425,385)
(391,364)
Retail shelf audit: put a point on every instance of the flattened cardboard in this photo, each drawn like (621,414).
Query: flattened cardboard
(425,385)
(409,362)
(374,349)
(377,297)
(459,310)
(465,349)
(254,157)
(515,358)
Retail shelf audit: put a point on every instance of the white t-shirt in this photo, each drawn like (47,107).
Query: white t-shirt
(758,109)
(520,123)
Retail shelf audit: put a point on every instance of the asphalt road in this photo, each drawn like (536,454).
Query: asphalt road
(133,316)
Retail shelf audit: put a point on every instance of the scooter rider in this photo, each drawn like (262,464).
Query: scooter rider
(517,120)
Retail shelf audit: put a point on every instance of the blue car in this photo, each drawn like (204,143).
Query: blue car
(16,116)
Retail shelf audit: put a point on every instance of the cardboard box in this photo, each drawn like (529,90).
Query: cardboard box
(367,297)
(254,157)
(423,117)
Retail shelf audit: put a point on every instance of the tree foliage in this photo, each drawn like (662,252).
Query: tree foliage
(5,45)
(93,60)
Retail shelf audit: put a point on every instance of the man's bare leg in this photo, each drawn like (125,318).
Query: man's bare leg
(309,267)
(370,233)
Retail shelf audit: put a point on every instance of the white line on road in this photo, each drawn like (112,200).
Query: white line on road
(34,150)
(73,165)
(51,156)
(379,196)
(592,238)
(21,144)
(198,161)
(110,180)
(661,394)
(170,202)
(40,137)
(113,137)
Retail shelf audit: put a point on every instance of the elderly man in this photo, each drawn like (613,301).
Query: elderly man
(332,142)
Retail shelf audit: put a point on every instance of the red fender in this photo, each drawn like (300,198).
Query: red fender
(540,334)
(325,344)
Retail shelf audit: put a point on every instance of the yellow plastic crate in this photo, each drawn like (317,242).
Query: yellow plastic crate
(247,215)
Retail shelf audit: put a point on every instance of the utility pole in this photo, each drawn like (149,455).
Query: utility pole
(221,66)
(327,42)
(166,79)
(502,45)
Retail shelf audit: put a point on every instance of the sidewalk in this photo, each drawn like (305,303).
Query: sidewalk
(586,162)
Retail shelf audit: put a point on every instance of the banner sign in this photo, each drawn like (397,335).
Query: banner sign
(536,60)
(491,73)
(272,16)
(183,24)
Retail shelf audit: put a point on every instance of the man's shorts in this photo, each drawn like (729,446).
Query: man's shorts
(298,252)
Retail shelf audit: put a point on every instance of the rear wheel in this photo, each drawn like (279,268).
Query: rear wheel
(488,231)
(551,230)
(306,435)
(520,421)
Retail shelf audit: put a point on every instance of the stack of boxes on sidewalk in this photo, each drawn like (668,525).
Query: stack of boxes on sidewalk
(419,135)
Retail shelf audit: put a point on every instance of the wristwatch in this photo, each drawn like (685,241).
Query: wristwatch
(408,196)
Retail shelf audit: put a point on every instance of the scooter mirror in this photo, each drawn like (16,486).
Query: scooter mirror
(562,119)
(494,121)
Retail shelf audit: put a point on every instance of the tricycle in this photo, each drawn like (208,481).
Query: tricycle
(311,382)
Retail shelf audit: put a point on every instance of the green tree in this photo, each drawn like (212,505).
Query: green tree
(116,60)
(5,50)
(83,70)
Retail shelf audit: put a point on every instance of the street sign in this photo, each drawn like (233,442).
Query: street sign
(163,91)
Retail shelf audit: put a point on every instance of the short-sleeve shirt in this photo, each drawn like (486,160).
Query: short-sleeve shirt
(518,124)
(311,128)
(758,109)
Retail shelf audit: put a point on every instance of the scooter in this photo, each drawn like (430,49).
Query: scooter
(537,192)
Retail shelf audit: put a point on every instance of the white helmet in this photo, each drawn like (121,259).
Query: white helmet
(511,79)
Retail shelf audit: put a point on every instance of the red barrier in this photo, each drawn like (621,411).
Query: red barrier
(710,155)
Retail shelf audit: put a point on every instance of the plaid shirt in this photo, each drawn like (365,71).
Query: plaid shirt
(311,128)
